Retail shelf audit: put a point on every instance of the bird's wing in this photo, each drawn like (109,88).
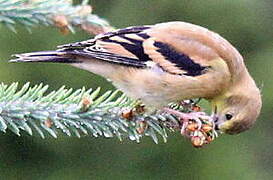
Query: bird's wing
(115,47)
(141,46)
(170,46)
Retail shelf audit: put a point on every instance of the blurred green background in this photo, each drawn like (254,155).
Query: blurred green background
(247,24)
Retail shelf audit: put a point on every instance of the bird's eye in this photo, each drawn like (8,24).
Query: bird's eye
(228,116)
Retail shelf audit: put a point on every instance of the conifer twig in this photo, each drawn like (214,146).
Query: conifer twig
(59,13)
(81,112)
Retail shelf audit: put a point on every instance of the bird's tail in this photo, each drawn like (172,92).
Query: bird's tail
(45,56)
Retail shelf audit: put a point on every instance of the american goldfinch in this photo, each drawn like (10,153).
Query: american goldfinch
(168,62)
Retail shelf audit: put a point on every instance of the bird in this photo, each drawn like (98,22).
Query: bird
(168,62)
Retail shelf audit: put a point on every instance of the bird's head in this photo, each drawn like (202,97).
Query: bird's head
(236,112)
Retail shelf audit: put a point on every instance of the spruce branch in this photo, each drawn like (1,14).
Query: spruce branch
(58,13)
(81,112)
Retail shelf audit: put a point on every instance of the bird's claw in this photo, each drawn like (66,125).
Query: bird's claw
(197,126)
(186,117)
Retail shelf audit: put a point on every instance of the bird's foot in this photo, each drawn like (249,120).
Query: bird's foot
(197,126)
(186,117)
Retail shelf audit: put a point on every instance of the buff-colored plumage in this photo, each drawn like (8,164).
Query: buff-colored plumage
(169,62)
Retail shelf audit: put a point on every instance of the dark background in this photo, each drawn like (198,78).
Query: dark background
(247,24)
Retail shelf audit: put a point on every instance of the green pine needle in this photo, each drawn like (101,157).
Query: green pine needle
(31,13)
(77,113)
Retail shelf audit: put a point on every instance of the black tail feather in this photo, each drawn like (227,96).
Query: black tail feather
(45,56)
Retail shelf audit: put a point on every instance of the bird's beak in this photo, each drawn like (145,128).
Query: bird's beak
(218,122)
(218,119)
(215,118)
